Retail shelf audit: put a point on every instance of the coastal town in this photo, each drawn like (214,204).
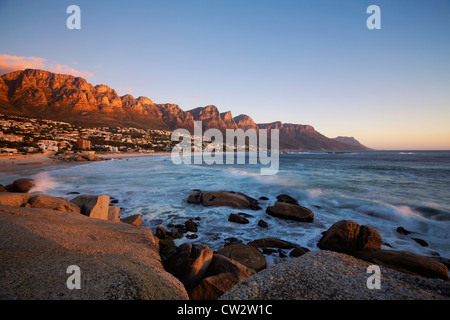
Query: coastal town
(20,135)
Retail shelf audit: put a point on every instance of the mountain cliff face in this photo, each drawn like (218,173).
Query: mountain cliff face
(43,94)
(351,141)
(244,122)
(212,118)
(38,93)
(304,137)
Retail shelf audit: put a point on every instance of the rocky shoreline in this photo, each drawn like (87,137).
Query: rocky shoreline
(338,270)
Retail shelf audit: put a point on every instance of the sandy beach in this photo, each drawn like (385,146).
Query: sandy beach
(19,162)
(26,162)
(121,155)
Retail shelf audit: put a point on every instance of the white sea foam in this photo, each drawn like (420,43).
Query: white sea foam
(43,182)
(158,190)
(314,193)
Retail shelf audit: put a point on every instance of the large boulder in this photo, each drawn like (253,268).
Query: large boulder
(189,263)
(230,199)
(23,185)
(347,237)
(116,261)
(14,199)
(327,275)
(212,287)
(290,211)
(93,206)
(222,264)
(221,275)
(406,262)
(247,255)
(37,201)
(54,203)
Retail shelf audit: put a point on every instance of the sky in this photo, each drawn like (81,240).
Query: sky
(302,61)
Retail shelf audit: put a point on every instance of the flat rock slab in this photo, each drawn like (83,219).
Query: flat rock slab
(116,260)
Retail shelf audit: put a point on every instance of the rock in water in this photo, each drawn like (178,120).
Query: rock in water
(23,185)
(191,226)
(289,211)
(347,236)
(406,261)
(287,199)
(237,218)
(272,243)
(263,224)
(230,199)
(298,251)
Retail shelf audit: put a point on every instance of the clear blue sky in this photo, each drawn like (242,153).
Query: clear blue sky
(310,62)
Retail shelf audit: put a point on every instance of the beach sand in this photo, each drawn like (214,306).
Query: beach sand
(20,162)
(107,156)
(26,162)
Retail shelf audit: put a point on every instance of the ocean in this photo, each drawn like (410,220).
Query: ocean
(381,189)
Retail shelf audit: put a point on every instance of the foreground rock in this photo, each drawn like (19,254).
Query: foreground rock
(116,260)
(37,201)
(221,275)
(93,206)
(347,236)
(50,202)
(134,220)
(189,263)
(365,243)
(113,213)
(247,255)
(230,199)
(406,262)
(290,211)
(327,275)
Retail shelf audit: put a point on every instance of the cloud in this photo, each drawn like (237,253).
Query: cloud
(61,68)
(13,63)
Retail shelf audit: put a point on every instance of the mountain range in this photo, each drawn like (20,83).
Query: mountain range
(43,94)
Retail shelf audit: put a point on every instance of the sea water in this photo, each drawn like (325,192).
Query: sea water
(381,189)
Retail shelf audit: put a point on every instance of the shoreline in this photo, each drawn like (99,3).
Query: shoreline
(22,162)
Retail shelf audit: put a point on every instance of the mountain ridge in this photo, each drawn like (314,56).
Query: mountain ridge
(44,94)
